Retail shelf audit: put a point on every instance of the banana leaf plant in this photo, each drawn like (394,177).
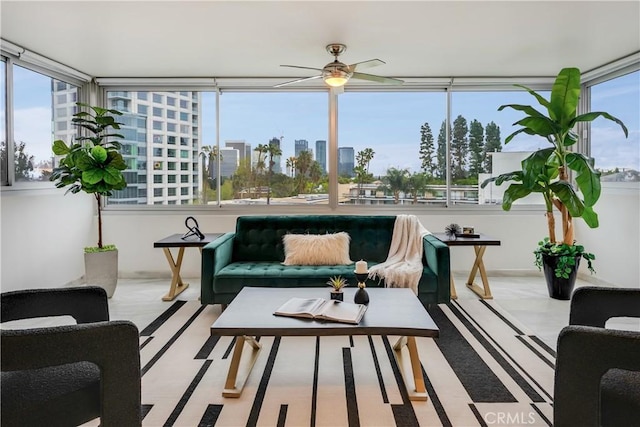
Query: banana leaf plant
(546,171)
(93,163)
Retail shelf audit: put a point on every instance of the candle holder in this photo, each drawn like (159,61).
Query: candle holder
(361,297)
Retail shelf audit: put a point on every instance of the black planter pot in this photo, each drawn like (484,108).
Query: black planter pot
(559,288)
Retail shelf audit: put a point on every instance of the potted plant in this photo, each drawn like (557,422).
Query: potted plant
(94,164)
(546,171)
(337,283)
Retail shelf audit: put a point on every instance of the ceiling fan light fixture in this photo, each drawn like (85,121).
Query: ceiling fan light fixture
(335,77)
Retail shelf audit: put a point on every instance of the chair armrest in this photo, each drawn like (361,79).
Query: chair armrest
(215,256)
(593,306)
(585,354)
(437,259)
(85,304)
(112,346)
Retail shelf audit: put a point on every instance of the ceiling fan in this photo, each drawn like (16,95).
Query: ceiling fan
(336,73)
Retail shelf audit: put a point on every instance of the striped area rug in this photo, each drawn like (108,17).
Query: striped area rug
(485,369)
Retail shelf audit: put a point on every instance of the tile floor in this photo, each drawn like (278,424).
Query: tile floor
(524,297)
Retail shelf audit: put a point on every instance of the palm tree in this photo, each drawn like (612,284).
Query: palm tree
(363,159)
(262,150)
(303,163)
(396,181)
(418,184)
(291,165)
(315,173)
(273,151)
(208,154)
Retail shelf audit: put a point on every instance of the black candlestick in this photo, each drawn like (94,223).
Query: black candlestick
(361,297)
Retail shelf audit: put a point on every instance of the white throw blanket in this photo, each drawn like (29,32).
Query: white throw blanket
(403,266)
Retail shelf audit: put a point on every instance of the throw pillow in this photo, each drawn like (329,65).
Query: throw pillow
(317,249)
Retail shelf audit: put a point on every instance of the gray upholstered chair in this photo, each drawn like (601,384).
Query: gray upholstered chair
(597,378)
(68,375)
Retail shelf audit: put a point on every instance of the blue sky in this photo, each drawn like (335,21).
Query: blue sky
(387,122)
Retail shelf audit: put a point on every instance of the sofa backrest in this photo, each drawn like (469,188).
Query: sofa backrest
(259,238)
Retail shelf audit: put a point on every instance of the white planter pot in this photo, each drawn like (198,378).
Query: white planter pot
(101,269)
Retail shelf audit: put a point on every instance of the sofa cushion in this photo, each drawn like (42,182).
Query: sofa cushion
(316,249)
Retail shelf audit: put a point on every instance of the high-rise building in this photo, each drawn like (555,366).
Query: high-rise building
(321,154)
(229,162)
(243,148)
(346,161)
(301,145)
(161,145)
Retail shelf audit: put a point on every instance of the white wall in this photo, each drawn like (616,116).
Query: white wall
(616,242)
(43,234)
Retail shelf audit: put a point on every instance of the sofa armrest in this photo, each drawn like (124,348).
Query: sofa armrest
(437,259)
(585,354)
(215,256)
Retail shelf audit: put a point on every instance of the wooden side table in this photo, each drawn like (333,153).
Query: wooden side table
(479,246)
(176,241)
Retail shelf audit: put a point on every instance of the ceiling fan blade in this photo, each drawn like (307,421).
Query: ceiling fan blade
(297,81)
(366,64)
(304,68)
(379,79)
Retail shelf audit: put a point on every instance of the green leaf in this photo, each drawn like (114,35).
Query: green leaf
(510,176)
(534,167)
(60,148)
(85,162)
(588,117)
(567,195)
(513,193)
(590,217)
(524,108)
(525,130)
(587,178)
(542,126)
(115,159)
(112,176)
(93,176)
(541,100)
(565,95)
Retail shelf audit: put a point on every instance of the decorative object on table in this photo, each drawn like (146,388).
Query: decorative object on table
(546,171)
(193,229)
(468,232)
(94,164)
(337,283)
(361,273)
(452,230)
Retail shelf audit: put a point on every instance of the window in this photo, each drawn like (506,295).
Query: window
(143,109)
(171,140)
(171,179)
(171,101)
(157,125)
(184,117)
(157,192)
(171,191)
(617,157)
(34,114)
(380,135)
(184,179)
(184,166)
(142,96)
(184,104)
(185,129)
(3,131)
(157,139)
(184,141)
(157,179)
(171,166)
(157,152)
(171,153)
(171,114)
(157,98)
(171,127)
(184,191)
(157,112)
(184,154)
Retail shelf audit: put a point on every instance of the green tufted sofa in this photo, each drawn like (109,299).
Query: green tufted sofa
(253,255)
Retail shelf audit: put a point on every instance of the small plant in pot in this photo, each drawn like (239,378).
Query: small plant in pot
(546,171)
(94,165)
(337,283)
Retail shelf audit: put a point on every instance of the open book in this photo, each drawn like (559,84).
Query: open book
(322,309)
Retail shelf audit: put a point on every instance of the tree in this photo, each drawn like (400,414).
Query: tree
(273,150)
(242,177)
(262,150)
(363,159)
(208,154)
(441,155)
(417,184)
(492,145)
(476,148)
(427,149)
(459,148)
(315,173)
(22,160)
(396,181)
(291,165)
(303,163)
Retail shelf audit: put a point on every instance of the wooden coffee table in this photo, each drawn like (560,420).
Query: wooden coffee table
(391,311)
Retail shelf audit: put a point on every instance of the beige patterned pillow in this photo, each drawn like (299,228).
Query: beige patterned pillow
(317,249)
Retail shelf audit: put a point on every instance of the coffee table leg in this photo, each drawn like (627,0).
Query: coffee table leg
(478,265)
(452,286)
(233,385)
(177,286)
(419,392)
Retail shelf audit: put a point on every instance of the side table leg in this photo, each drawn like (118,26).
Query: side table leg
(419,391)
(452,286)
(485,291)
(177,285)
(233,386)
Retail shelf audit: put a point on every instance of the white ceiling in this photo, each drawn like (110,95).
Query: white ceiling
(251,39)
